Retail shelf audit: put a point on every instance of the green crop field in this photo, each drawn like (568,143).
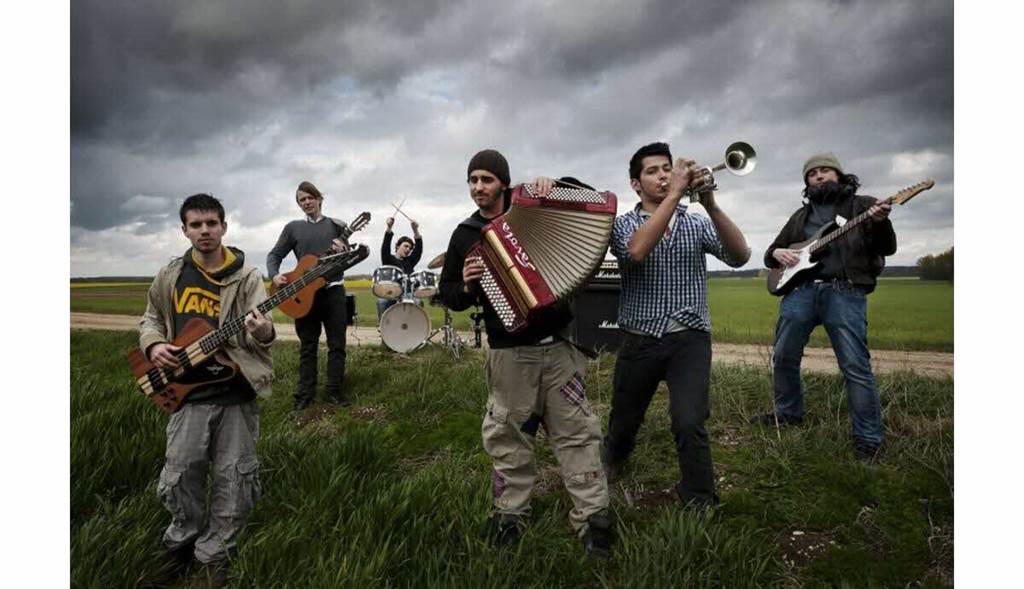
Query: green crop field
(903,314)
(394,490)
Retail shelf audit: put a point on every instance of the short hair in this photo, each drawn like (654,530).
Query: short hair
(404,239)
(201,202)
(636,162)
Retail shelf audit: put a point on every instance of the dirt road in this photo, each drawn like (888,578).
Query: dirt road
(936,364)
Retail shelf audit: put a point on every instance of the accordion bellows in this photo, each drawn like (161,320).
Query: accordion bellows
(543,249)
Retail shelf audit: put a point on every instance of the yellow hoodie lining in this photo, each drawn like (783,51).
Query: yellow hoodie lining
(229,257)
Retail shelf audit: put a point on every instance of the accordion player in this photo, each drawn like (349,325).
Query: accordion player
(542,249)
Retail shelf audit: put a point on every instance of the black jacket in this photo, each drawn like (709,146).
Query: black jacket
(861,252)
(407,264)
(549,321)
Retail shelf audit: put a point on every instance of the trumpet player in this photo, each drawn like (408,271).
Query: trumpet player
(663,310)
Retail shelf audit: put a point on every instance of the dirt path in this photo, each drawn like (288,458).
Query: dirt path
(936,364)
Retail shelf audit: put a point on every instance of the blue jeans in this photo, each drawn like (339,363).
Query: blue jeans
(384,305)
(842,309)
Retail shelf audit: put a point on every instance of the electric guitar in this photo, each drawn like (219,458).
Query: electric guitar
(299,304)
(202,362)
(784,279)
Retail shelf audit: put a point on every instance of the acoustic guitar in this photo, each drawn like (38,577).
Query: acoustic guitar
(202,362)
(784,279)
(299,304)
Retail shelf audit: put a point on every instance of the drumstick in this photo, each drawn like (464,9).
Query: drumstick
(401,211)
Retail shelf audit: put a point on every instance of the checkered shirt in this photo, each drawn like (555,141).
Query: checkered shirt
(671,283)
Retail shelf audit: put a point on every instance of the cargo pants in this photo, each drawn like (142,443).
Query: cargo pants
(531,386)
(199,436)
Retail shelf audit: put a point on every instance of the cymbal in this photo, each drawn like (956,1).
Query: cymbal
(436,263)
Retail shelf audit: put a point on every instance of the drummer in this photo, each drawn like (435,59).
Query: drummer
(407,255)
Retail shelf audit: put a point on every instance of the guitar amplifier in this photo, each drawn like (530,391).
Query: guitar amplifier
(596,308)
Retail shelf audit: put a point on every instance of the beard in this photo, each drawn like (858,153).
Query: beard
(827,193)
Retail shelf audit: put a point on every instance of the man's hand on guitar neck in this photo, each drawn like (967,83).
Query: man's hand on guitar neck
(879,212)
(259,326)
(786,257)
(163,355)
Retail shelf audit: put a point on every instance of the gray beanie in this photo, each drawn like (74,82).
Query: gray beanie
(492,161)
(822,160)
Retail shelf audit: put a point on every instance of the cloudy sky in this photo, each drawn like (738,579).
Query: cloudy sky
(387,101)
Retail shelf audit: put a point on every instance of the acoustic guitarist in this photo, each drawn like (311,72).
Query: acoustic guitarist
(315,234)
(218,424)
(834,296)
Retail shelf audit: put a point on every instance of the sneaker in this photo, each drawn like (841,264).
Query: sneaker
(173,565)
(866,452)
(505,529)
(613,469)
(339,400)
(597,540)
(769,419)
(697,504)
(213,575)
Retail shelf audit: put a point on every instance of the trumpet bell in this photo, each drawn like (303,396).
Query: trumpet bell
(740,158)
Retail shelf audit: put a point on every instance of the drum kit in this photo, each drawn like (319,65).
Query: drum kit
(405,326)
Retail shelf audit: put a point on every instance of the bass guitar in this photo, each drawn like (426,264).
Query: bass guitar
(299,304)
(784,279)
(202,362)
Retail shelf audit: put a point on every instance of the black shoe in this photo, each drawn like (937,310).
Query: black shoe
(598,538)
(866,452)
(213,575)
(770,420)
(174,564)
(696,504)
(505,529)
(302,404)
(339,400)
(613,469)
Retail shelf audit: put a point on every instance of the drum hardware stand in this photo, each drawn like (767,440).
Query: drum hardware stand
(477,317)
(449,337)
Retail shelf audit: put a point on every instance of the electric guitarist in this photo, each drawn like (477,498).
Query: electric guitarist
(833,296)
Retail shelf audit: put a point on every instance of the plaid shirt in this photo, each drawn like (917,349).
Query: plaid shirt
(670,286)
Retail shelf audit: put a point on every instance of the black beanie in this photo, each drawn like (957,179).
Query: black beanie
(492,161)
(307,187)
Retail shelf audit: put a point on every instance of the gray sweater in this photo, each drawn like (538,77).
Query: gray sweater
(303,237)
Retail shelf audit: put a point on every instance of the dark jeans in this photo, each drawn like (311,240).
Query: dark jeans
(329,309)
(683,361)
(842,309)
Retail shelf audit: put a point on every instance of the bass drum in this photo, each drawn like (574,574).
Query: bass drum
(404,326)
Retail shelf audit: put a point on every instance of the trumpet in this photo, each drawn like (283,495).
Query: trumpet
(740,159)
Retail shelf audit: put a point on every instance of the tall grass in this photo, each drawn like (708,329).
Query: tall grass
(394,491)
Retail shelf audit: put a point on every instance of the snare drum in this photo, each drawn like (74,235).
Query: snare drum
(404,326)
(389,282)
(423,284)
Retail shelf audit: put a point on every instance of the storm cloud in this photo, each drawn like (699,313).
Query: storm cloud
(385,101)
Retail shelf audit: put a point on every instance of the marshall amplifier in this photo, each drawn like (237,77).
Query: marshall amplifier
(596,308)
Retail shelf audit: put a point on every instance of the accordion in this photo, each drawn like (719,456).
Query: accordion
(542,249)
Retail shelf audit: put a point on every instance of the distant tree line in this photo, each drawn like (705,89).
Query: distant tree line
(938,267)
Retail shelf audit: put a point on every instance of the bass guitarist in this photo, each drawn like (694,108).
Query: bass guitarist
(834,296)
(218,423)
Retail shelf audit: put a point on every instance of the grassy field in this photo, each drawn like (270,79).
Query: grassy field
(393,491)
(903,314)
